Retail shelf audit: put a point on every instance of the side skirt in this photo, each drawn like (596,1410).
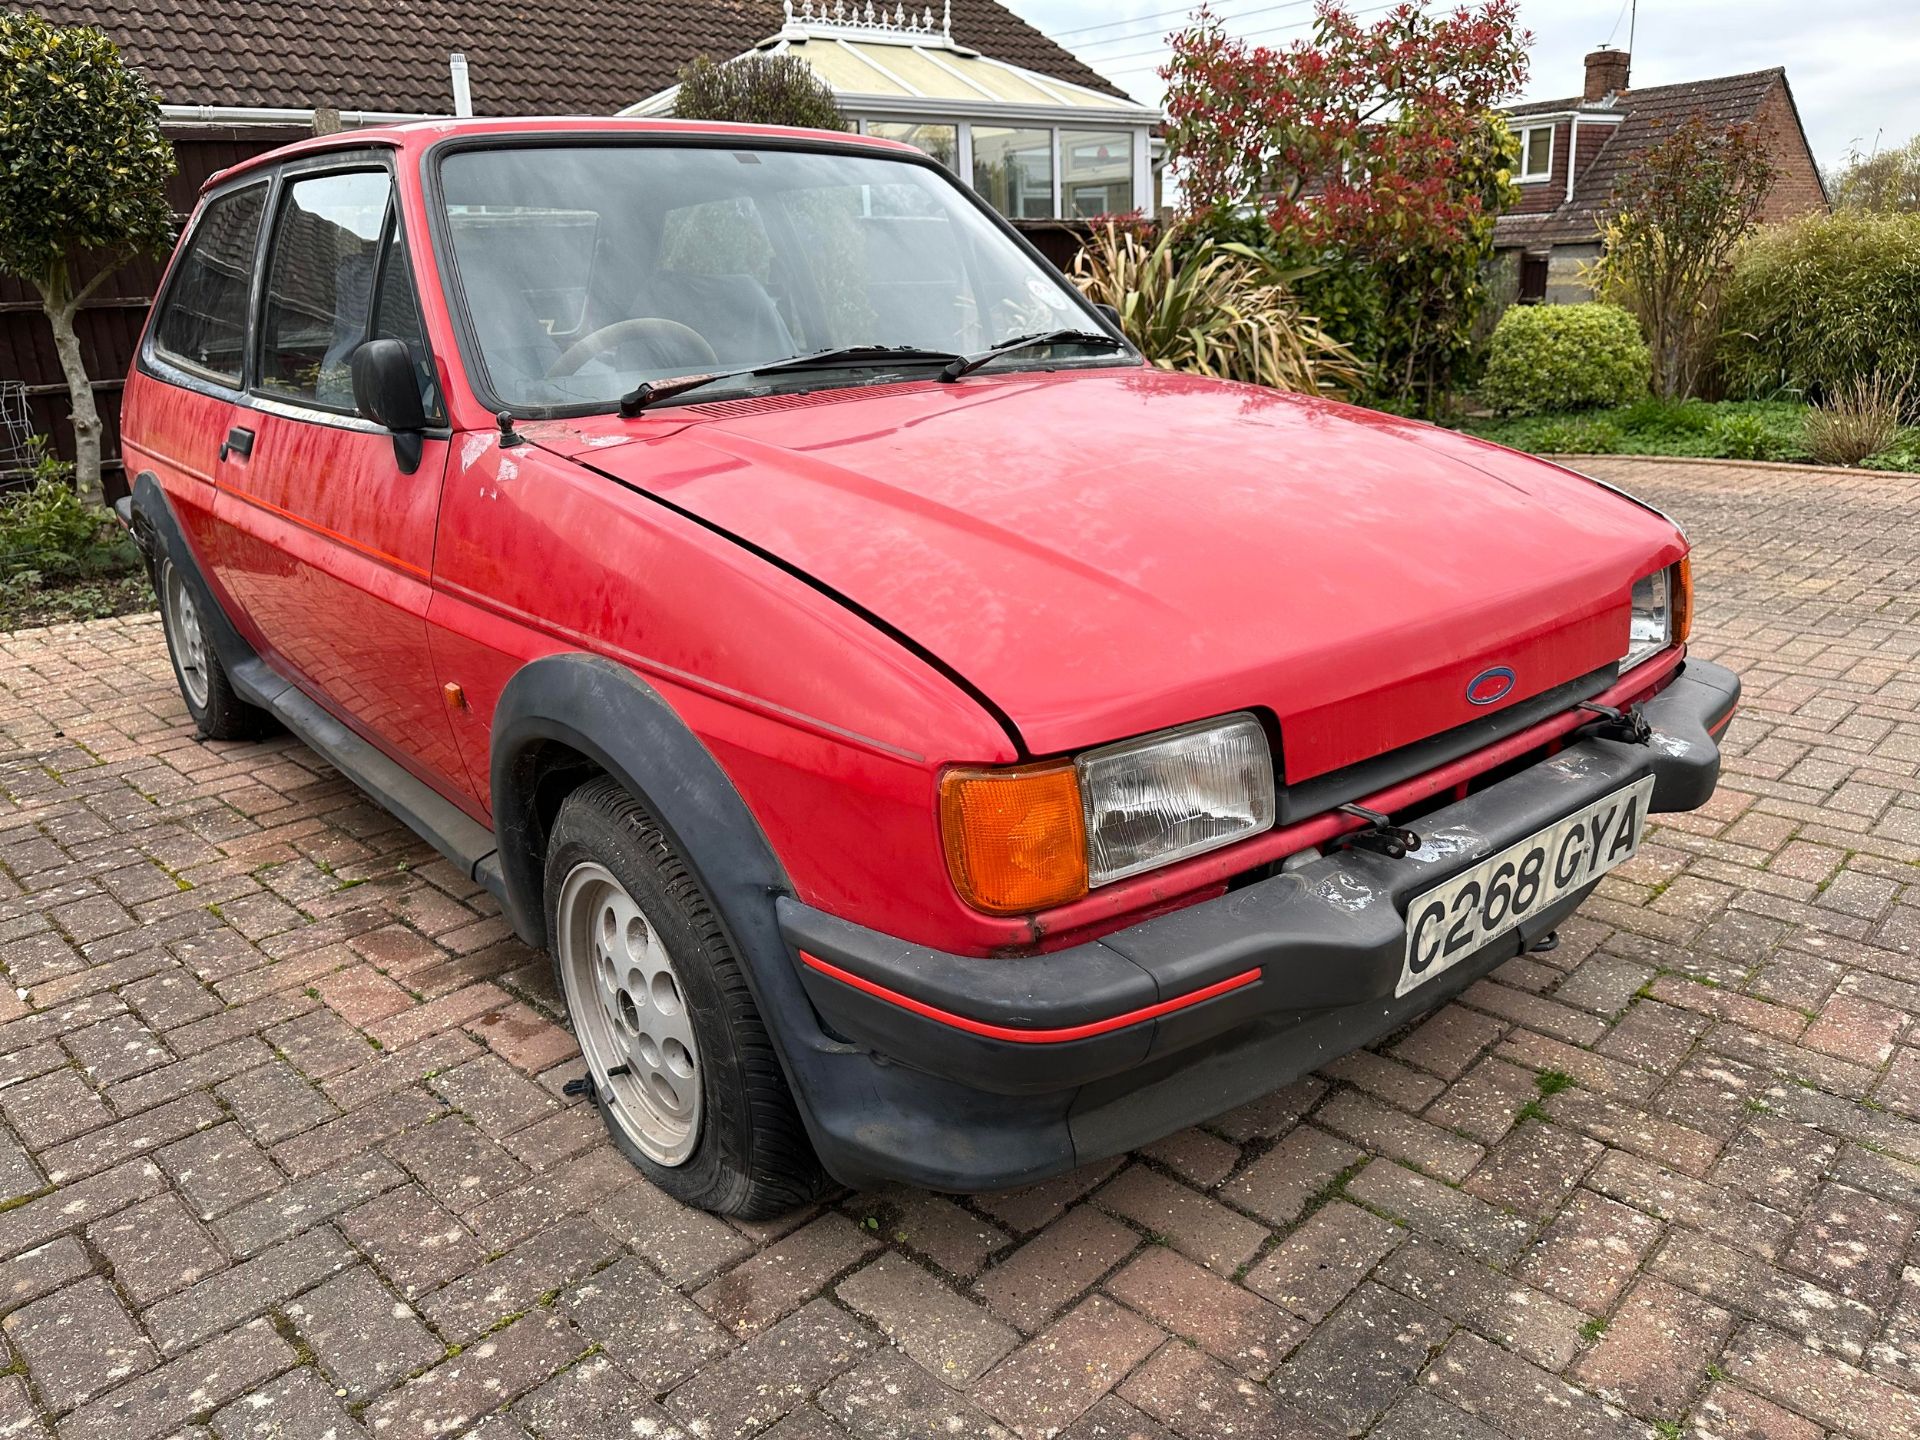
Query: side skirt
(430,815)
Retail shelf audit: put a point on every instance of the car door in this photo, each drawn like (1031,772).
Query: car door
(190,372)
(327,542)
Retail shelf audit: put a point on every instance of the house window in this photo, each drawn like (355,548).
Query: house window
(1536,153)
(1096,172)
(942,142)
(1013,171)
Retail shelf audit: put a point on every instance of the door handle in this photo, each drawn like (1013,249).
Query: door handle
(239,441)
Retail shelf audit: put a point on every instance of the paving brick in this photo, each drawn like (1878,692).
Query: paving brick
(480,1378)
(1278,1186)
(1029,1207)
(1752,1286)
(1053,1379)
(779,1279)
(1362,1360)
(1198,1396)
(511,1283)
(493,1095)
(1851,1242)
(1033,1282)
(1666,1195)
(774,1372)
(364,1336)
(1520,1399)
(595,1398)
(1590,1252)
(1463,1221)
(1534,1169)
(112,1144)
(683,1244)
(155,1248)
(220,1168)
(1111,1418)
(1822,1387)
(654,1333)
(78,1204)
(1316,1266)
(57,1106)
(159,1402)
(1653,1357)
(1203,1160)
(888,1397)
(41,1271)
(274,1102)
(78,1342)
(1542,1329)
(1448,1042)
(1387,1132)
(297,1406)
(269,1279)
(1223,1319)
(1727,1412)
(253,1227)
(416,1244)
(946,1333)
(1200,1228)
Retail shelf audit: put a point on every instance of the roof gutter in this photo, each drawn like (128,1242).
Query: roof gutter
(274,115)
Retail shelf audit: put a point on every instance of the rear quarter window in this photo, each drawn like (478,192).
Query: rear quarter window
(203,320)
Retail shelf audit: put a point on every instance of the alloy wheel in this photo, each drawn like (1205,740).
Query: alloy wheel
(184,630)
(629,1013)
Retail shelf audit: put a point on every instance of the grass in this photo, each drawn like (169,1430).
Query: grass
(1722,430)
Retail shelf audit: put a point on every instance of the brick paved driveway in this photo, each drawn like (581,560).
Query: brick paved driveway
(287,1154)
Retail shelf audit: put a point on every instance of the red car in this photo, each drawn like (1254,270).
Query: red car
(934,744)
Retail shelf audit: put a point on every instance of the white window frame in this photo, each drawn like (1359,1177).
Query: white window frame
(1139,139)
(1535,177)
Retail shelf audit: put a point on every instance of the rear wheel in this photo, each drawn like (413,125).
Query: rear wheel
(217,710)
(680,1063)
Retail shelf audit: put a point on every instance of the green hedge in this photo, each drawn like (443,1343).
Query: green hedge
(1820,301)
(1564,357)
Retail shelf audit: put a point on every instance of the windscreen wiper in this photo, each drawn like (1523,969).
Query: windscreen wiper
(967,364)
(646,393)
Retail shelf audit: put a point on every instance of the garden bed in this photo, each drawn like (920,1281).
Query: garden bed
(1727,430)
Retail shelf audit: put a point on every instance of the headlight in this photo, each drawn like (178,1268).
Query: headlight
(1025,838)
(1662,605)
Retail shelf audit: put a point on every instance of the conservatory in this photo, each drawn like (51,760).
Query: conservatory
(1037,148)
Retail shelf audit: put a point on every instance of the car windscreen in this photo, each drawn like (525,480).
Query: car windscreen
(586,270)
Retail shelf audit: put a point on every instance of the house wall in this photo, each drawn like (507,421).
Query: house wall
(1796,188)
(1564,285)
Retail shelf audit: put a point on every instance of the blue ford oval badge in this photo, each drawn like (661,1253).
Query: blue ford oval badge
(1489,686)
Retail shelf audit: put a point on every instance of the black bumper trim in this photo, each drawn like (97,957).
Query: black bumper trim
(1327,939)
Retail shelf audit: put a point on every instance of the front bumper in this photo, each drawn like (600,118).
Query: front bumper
(989,1072)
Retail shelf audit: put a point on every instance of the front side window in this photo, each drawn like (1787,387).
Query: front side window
(1013,171)
(203,321)
(320,281)
(586,271)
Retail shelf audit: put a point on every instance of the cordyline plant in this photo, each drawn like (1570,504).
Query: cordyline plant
(1370,144)
(1682,209)
(83,172)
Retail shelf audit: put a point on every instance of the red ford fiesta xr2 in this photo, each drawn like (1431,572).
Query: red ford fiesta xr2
(934,744)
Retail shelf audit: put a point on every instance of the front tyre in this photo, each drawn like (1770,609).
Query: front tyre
(682,1068)
(217,709)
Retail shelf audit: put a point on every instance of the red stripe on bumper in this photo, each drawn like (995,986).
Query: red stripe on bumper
(1030,1036)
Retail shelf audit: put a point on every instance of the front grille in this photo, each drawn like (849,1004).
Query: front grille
(1306,798)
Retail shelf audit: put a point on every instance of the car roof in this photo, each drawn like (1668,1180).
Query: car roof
(417,135)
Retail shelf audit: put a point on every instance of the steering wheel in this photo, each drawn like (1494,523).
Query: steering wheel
(669,344)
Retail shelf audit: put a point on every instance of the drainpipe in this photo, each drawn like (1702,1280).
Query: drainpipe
(462,95)
(1573,152)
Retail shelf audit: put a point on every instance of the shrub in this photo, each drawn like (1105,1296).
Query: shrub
(1653,418)
(1578,435)
(1744,437)
(1564,357)
(1821,301)
(757,90)
(1193,303)
(1859,420)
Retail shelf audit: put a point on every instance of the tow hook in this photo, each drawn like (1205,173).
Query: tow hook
(1381,836)
(1629,726)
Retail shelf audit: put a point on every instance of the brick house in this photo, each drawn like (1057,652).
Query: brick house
(1573,152)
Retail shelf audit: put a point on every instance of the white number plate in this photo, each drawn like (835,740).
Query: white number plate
(1451,921)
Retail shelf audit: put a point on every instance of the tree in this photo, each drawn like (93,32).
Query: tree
(757,90)
(83,172)
(1884,182)
(1682,208)
(1374,146)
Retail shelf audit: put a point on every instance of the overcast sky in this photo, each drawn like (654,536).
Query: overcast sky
(1852,63)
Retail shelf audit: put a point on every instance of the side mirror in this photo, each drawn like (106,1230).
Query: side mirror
(1111,316)
(386,390)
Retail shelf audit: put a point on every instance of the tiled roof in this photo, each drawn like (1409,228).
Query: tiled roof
(1650,113)
(526,57)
